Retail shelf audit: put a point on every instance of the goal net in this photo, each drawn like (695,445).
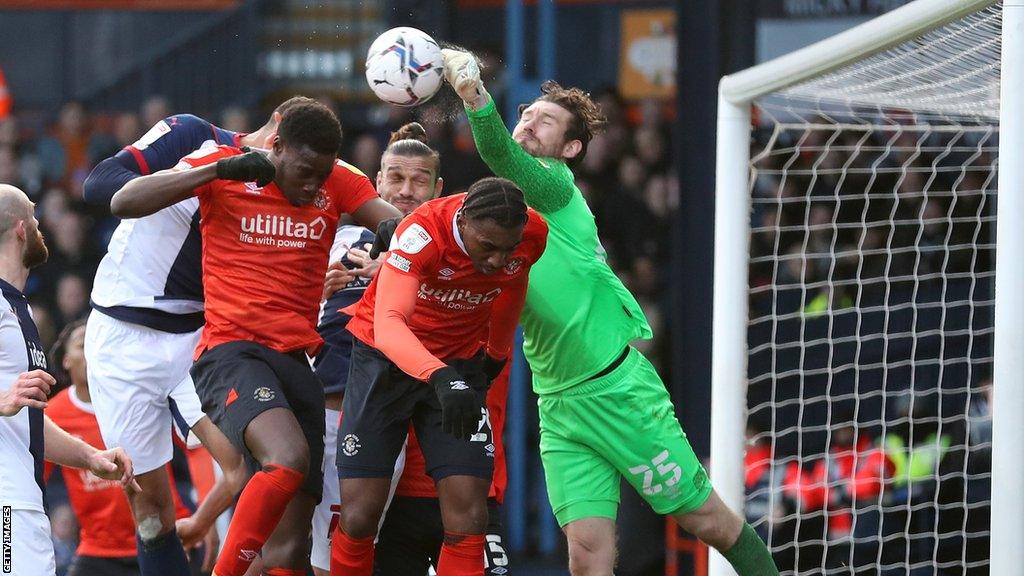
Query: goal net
(871,279)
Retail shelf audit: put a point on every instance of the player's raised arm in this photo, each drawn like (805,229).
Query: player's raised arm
(107,178)
(148,194)
(533,164)
(160,148)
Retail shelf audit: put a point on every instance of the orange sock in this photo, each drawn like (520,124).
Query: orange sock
(461,555)
(351,556)
(257,513)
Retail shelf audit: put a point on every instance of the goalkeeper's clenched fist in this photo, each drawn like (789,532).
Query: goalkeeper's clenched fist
(462,71)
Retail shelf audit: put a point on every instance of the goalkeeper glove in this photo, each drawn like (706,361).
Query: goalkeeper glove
(253,166)
(460,407)
(463,73)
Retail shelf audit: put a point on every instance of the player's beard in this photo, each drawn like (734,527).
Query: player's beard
(535,148)
(35,251)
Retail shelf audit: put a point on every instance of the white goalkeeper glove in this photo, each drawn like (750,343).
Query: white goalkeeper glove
(463,73)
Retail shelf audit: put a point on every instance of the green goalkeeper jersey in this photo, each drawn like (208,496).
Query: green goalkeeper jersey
(578,316)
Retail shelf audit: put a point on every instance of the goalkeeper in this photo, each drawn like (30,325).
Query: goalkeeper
(604,412)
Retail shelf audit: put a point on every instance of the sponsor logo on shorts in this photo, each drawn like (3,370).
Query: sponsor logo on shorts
(459,385)
(350,445)
(247,555)
(263,394)
(8,567)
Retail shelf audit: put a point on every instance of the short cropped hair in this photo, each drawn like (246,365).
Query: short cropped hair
(311,124)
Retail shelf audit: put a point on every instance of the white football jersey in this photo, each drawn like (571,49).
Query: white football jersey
(21,435)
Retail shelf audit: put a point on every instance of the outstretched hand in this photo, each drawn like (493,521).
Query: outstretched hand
(114,464)
(462,71)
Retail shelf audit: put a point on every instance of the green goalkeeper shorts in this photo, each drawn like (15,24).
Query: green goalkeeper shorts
(621,424)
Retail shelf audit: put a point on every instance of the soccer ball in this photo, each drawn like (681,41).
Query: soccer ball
(404,66)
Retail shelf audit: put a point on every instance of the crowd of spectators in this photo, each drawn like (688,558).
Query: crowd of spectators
(626,178)
(872,259)
(852,213)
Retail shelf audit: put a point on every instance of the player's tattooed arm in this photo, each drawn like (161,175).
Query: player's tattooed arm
(149,194)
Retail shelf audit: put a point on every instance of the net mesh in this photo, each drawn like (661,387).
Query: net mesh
(871,310)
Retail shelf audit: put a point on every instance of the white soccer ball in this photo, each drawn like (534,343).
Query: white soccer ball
(404,66)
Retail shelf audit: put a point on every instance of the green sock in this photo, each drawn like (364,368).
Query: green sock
(749,556)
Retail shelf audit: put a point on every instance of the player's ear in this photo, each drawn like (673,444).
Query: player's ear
(571,149)
(19,230)
(380,180)
(438,186)
(276,145)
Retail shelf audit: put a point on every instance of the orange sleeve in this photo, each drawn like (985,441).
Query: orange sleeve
(504,317)
(396,301)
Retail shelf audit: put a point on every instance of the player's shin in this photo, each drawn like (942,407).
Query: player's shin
(749,556)
(259,509)
(351,556)
(161,555)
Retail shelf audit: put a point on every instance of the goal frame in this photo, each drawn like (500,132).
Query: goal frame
(732,247)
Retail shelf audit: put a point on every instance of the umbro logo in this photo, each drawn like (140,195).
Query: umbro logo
(253,188)
(247,555)
(445,274)
(459,385)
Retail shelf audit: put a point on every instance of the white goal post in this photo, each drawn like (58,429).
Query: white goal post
(808,119)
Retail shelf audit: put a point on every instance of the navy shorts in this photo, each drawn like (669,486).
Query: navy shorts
(240,380)
(380,401)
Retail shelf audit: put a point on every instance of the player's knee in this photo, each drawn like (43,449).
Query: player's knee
(151,528)
(358,521)
(155,510)
(296,457)
(717,527)
(591,556)
(471,518)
